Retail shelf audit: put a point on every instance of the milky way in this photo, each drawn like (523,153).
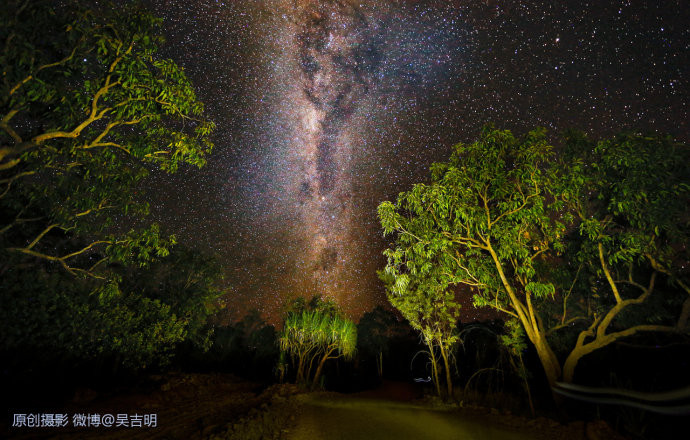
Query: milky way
(326,108)
(337,60)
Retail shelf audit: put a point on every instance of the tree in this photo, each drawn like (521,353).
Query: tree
(153,311)
(495,218)
(482,222)
(52,317)
(375,330)
(632,210)
(420,291)
(316,335)
(338,340)
(189,282)
(87,109)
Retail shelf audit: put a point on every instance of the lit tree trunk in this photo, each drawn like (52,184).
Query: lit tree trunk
(444,354)
(300,369)
(322,362)
(434,366)
(570,364)
(597,330)
(528,319)
(602,340)
(549,362)
(307,374)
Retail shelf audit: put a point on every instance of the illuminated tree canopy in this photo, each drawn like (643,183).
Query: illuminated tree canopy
(87,111)
(85,115)
(312,336)
(507,218)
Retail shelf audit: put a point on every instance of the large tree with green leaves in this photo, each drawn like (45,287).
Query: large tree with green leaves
(632,237)
(498,215)
(86,110)
(482,221)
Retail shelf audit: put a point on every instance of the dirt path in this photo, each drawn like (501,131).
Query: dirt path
(334,417)
(221,407)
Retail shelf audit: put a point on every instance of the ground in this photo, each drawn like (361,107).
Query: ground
(222,407)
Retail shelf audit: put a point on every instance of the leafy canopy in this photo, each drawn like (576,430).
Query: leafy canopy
(87,110)
(86,113)
(489,205)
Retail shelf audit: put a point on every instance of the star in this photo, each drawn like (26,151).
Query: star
(327,108)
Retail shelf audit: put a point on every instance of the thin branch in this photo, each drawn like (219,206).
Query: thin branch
(564,324)
(12,179)
(14,151)
(45,66)
(565,298)
(612,337)
(612,283)
(91,269)
(29,251)
(18,220)
(657,266)
(41,235)
(589,332)
(513,211)
(5,125)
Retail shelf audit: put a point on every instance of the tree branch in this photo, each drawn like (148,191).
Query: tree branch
(564,324)
(12,179)
(601,330)
(612,283)
(565,298)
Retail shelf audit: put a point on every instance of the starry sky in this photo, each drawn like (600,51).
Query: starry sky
(326,108)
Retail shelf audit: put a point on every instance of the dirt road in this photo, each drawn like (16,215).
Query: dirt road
(336,417)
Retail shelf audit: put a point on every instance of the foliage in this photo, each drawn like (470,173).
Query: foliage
(503,213)
(85,114)
(485,211)
(56,316)
(87,110)
(187,281)
(315,303)
(631,238)
(247,348)
(430,307)
(316,336)
(514,341)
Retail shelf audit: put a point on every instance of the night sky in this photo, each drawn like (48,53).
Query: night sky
(324,109)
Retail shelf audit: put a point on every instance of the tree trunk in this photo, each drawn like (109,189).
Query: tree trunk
(300,370)
(319,369)
(569,366)
(434,368)
(449,383)
(379,364)
(523,373)
(549,362)
(548,359)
